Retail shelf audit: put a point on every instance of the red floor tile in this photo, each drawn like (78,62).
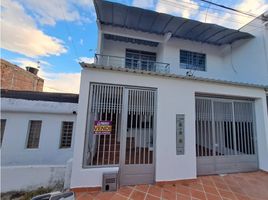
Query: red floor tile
(240,186)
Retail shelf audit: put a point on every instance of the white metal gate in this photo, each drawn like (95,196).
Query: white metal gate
(137,163)
(130,143)
(225,139)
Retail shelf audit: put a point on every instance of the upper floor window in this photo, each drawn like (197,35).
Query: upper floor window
(3,126)
(142,60)
(192,60)
(34,134)
(66,134)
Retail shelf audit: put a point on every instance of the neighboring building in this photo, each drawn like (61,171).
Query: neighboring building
(16,78)
(182,98)
(37,133)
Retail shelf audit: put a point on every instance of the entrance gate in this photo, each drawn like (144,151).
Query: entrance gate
(137,161)
(225,139)
(130,111)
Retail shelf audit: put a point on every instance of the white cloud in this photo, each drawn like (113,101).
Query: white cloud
(186,8)
(61,82)
(143,3)
(21,35)
(191,9)
(49,12)
(54,81)
(86,59)
(232,20)
(81,42)
(24,62)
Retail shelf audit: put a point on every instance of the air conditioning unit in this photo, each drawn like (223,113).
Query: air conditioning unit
(109,182)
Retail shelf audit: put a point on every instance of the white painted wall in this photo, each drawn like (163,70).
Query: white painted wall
(24,168)
(21,178)
(174,96)
(247,62)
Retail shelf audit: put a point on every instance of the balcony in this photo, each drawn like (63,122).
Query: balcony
(131,63)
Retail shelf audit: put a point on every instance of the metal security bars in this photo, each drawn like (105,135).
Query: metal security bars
(66,134)
(192,60)
(34,134)
(140,133)
(120,126)
(105,104)
(204,140)
(244,128)
(225,140)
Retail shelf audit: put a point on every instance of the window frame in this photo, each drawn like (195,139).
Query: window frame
(61,146)
(29,132)
(3,128)
(139,59)
(189,66)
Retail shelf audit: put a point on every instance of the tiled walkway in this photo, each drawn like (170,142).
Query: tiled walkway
(240,186)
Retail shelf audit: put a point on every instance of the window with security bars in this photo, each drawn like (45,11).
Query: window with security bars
(3,125)
(192,60)
(142,60)
(34,134)
(66,134)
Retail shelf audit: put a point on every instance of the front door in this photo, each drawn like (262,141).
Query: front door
(138,137)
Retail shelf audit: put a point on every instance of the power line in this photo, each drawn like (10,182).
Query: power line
(212,8)
(229,8)
(178,5)
(67,29)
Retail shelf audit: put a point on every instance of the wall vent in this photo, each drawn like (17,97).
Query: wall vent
(109,182)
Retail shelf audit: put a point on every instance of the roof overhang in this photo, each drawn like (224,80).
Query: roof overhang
(138,19)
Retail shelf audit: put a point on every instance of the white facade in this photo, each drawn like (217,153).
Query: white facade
(232,71)
(174,96)
(48,161)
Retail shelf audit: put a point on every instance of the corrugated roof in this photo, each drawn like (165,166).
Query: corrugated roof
(115,14)
(40,96)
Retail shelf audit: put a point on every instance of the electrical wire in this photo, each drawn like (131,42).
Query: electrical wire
(212,8)
(68,31)
(229,8)
(179,5)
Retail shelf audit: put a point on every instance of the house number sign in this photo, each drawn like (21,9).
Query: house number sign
(102,127)
(180,118)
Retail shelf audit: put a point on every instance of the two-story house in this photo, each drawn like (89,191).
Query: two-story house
(170,98)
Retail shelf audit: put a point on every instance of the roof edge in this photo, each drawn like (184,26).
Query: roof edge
(194,78)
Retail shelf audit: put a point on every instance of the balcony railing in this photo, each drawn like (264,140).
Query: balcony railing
(131,63)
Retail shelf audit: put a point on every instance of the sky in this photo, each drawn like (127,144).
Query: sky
(60,33)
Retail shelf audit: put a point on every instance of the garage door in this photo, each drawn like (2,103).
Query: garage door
(225,136)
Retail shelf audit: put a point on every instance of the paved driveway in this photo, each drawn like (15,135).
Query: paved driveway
(240,186)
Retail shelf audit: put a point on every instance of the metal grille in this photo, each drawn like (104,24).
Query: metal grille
(105,104)
(204,139)
(223,122)
(232,124)
(244,128)
(140,133)
(3,126)
(66,134)
(34,133)
(225,136)
(192,60)
(140,60)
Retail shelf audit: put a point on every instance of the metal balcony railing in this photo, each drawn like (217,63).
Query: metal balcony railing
(131,63)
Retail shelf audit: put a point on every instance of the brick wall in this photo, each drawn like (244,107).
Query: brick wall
(16,78)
